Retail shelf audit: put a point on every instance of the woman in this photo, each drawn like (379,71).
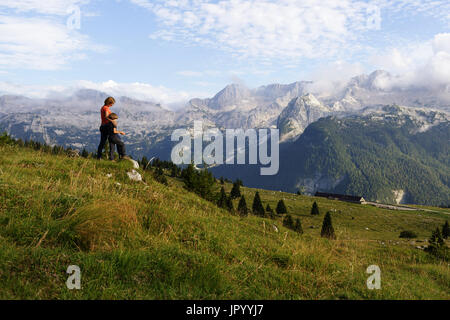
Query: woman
(104,112)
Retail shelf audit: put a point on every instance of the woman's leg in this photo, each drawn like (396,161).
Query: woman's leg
(103,139)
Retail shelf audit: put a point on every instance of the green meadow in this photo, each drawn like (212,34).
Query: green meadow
(135,240)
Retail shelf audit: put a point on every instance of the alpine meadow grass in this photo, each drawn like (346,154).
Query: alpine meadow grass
(154,241)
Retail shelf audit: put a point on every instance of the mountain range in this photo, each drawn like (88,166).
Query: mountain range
(359,113)
(390,154)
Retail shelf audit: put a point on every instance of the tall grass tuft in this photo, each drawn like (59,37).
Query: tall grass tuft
(101,225)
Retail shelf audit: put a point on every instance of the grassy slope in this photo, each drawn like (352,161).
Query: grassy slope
(155,242)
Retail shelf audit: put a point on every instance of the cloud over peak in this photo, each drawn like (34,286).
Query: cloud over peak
(424,64)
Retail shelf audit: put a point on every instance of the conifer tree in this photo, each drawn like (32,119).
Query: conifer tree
(144,162)
(257,206)
(84,153)
(315,209)
(20,143)
(435,243)
(222,182)
(242,207)
(205,184)
(159,176)
(281,207)
(199,181)
(222,199)
(235,191)
(327,227)
(288,222)
(445,230)
(188,175)
(270,212)
(158,172)
(174,171)
(298,226)
(229,204)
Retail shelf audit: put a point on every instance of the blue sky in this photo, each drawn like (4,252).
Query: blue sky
(173,50)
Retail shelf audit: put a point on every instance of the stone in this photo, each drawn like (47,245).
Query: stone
(135,163)
(134,176)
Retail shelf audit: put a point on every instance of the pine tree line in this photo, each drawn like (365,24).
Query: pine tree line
(5,139)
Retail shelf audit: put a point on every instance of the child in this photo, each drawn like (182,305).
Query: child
(104,112)
(114,139)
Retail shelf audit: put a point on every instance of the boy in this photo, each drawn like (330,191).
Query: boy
(114,139)
(104,112)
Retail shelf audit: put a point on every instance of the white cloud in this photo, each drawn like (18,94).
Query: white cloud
(34,35)
(263,29)
(190,74)
(52,7)
(41,44)
(331,77)
(31,91)
(136,90)
(421,65)
(285,30)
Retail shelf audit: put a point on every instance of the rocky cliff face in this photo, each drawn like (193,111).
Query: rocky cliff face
(299,114)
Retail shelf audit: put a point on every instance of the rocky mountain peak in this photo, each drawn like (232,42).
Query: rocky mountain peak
(230,95)
(300,112)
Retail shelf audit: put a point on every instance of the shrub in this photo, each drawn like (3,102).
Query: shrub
(6,139)
(298,226)
(445,230)
(437,247)
(270,212)
(159,176)
(407,234)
